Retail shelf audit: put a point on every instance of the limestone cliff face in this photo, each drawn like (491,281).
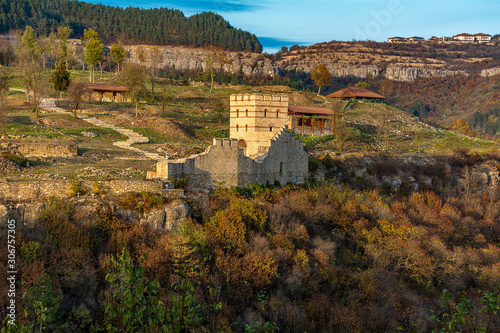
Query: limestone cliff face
(409,74)
(188,59)
(490,71)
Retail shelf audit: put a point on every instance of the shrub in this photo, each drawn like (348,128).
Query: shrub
(30,251)
(77,188)
(143,201)
(19,160)
(181,183)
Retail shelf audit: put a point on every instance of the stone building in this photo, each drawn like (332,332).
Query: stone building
(260,149)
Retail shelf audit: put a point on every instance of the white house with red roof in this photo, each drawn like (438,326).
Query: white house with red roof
(468,38)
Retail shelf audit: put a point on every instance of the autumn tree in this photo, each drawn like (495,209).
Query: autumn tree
(215,59)
(118,54)
(361,84)
(140,53)
(94,50)
(386,86)
(320,76)
(134,77)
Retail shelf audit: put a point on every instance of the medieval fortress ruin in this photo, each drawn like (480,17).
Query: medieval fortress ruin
(260,149)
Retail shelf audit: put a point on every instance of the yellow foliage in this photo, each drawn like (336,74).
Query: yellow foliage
(260,268)
(302,259)
(227,229)
(390,229)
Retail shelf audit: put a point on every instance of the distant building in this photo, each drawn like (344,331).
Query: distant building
(464,38)
(397,39)
(468,38)
(482,38)
(416,39)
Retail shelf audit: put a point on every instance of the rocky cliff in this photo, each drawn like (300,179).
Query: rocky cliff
(191,59)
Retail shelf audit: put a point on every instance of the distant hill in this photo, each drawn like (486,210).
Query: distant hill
(159,26)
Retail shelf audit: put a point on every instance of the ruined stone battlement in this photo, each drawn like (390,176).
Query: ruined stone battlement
(225,142)
(258,98)
(260,149)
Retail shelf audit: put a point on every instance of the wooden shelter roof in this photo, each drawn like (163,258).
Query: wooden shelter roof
(355,92)
(308,110)
(105,87)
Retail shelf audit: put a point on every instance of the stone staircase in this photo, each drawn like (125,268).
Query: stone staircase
(133,137)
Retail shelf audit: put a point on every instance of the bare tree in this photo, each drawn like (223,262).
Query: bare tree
(76,91)
(383,119)
(166,97)
(134,76)
(215,59)
(5,83)
(4,116)
(340,130)
(155,59)
(31,71)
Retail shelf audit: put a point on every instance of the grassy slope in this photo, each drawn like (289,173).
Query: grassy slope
(191,124)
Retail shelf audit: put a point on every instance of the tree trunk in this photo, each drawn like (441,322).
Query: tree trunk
(153,86)
(212,85)
(136,108)
(74,110)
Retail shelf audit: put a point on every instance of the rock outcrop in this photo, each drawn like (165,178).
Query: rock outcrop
(490,71)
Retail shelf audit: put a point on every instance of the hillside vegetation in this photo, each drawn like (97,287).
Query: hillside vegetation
(128,25)
(470,57)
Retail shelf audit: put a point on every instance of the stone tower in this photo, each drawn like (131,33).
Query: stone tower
(255,119)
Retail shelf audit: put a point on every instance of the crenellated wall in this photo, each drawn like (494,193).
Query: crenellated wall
(284,161)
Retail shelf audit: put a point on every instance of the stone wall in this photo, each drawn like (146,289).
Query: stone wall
(224,162)
(41,150)
(29,190)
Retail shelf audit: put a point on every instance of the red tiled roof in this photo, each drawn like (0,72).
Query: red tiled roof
(355,92)
(105,87)
(481,34)
(308,110)
(463,34)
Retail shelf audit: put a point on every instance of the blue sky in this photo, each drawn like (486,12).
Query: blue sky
(287,22)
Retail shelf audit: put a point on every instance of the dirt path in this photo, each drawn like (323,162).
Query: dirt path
(133,137)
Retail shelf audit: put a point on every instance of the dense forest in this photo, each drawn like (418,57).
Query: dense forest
(342,256)
(159,26)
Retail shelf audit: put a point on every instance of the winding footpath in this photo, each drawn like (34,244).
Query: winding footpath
(133,137)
